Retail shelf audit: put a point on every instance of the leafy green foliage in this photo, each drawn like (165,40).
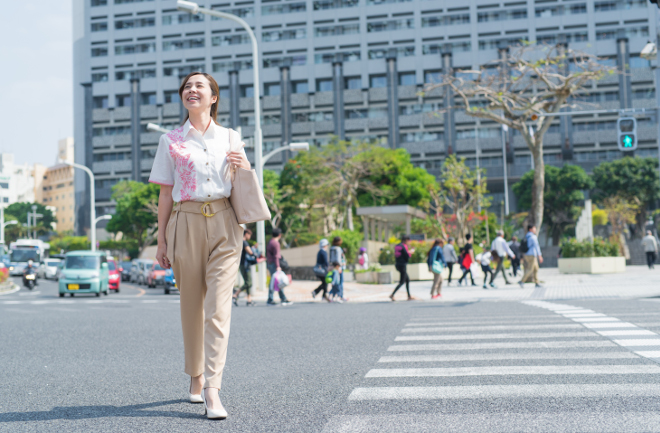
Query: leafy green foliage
(136,213)
(571,248)
(18,211)
(386,256)
(562,194)
(64,244)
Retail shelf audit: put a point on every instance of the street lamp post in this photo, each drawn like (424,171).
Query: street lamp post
(5,224)
(294,147)
(92,193)
(194,8)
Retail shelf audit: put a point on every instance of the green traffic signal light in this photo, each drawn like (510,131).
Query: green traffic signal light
(627,141)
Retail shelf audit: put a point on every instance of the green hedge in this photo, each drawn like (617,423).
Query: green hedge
(599,248)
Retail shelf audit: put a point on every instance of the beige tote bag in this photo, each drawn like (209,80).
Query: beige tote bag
(246,197)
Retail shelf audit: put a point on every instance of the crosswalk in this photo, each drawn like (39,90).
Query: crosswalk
(554,367)
(55,301)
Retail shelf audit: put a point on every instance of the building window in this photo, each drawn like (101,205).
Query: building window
(283,8)
(100,77)
(172,96)
(377,81)
(553,11)
(345,29)
(345,56)
(121,2)
(178,18)
(134,23)
(272,89)
(613,5)
(142,73)
(114,156)
(407,79)
(381,53)
(100,26)
(123,100)
(445,20)
(283,35)
(415,137)
(243,12)
(315,116)
(146,47)
(100,102)
(247,91)
(455,47)
(324,85)
(232,65)
(432,77)
(300,87)
(366,113)
(390,25)
(183,44)
(334,4)
(224,93)
(226,40)
(111,130)
(99,51)
(630,32)
(352,83)
(99,2)
(499,15)
(276,62)
(178,71)
(148,98)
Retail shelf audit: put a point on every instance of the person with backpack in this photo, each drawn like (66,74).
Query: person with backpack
(321,270)
(515,261)
(500,250)
(248,258)
(449,253)
(467,258)
(436,261)
(402,256)
(337,255)
(363,259)
(532,257)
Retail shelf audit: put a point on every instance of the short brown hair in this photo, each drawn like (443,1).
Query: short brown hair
(248,231)
(336,241)
(215,91)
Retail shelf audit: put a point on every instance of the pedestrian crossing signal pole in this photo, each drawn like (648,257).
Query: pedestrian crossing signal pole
(627,132)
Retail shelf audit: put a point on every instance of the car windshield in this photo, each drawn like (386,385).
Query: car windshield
(52,263)
(23,255)
(111,266)
(157,267)
(82,262)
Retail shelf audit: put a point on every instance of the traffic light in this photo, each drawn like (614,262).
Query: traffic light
(627,130)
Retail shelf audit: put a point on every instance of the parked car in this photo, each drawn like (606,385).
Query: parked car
(170,282)
(84,272)
(114,275)
(48,269)
(126,271)
(156,275)
(140,271)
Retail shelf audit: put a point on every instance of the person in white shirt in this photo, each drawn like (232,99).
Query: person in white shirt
(485,259)
(650,248)
(200,238)
(502,249)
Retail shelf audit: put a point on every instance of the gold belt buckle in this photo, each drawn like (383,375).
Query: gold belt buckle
(208,203)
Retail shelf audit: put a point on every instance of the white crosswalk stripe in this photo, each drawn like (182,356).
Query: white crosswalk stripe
(574,353)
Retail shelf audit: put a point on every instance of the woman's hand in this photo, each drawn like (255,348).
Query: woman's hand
(238,159)
(161,255)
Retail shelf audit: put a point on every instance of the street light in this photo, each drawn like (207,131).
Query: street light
(103,217)
(157,128)
(294,147)
(5,224)
(193,8)
(92,193)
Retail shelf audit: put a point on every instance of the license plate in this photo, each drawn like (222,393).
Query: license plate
(74,287)
(175,286)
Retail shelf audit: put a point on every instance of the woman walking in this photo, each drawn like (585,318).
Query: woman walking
(436,255)
(337,255)
(322,265)
(202,239)
(402,255)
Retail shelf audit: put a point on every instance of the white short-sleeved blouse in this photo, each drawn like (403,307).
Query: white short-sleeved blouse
(194,163)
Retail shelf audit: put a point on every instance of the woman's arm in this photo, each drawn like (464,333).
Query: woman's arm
(165,204)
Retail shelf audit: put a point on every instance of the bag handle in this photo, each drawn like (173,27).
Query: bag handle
(231,149)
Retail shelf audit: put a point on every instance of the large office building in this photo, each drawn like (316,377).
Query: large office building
(350,68)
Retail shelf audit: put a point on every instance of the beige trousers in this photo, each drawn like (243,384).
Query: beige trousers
(437,284)
(204,252)
(531,265)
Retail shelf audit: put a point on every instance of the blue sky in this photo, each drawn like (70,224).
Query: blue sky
(36,106)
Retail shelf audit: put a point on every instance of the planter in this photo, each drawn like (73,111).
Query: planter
(383,277)
(592,265)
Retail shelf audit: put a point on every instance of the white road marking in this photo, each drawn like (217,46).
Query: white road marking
(503,356)
(595,319)
(626,332)
(496,336)
(507,345)
(492,328)
(649,353)
(515,370)
(608,325)
(506,391)
(649,342)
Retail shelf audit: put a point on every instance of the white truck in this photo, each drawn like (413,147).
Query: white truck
(26,249)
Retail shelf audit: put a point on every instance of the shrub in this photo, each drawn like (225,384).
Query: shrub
(421,251)
(386,256)
(571,248)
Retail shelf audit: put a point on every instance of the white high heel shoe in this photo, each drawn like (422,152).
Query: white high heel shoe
(194,398)
(213,413)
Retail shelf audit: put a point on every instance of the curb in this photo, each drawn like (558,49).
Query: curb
(14,290)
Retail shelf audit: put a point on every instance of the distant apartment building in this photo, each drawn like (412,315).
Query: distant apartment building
(17,182)
(349,68)
(57,187)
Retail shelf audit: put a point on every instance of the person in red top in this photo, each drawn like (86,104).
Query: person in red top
(467,258)
(402,256)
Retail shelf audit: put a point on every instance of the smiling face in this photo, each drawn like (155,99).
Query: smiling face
(197,95)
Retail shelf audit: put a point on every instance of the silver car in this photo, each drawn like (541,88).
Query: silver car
(48,269)
(140,270)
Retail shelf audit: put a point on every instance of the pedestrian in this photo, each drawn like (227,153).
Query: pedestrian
(402,255)
(501,248)
(201,239)
(337,255)
(650,248)
(449,252)
(515,260)
(273,257)
(363,259)
(248,258)
(532,257)
(436,255)
(466,260)
(336,281)
(485,259)
(321,269)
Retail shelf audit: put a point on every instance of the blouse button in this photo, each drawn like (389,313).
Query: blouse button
(207,163)
(208,180)
(209,195)
(204,150)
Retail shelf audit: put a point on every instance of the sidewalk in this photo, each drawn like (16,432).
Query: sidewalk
(636,282)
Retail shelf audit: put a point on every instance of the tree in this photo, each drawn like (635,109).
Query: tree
(621,211)
(460,192)
(562,195)
(533,80)
(629,178)
(275,196)
(136,212)
(19,211)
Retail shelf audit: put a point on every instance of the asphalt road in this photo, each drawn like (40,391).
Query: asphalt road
(115,363)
